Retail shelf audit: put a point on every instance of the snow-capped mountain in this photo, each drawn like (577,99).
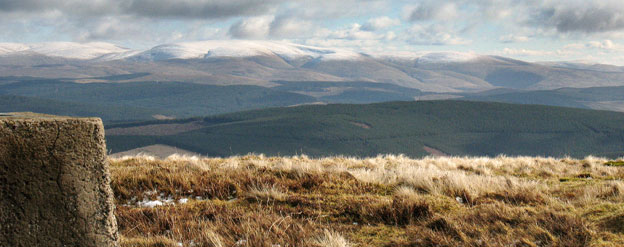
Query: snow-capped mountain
(215,48)
(70,50)
(430,57)
(262,63)
(243,48)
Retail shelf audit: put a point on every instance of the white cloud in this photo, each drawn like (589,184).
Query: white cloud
(390,35)
(291,27)
(380,23)
(433,35)
(512,38)
(599,52)
(352,32)
(606,46)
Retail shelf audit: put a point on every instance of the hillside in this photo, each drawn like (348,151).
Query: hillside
(351,92)
(380,201)
(173,99)
(411,128)
(108,112)
(600,98)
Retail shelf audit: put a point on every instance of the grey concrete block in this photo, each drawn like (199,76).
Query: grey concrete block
(54,182)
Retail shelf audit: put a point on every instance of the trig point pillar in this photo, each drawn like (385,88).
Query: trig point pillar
(54,182)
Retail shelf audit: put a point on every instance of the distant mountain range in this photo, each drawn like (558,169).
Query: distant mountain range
(199,78)
(261,63)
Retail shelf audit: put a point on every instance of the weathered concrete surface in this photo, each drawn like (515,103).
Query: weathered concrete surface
(54,182)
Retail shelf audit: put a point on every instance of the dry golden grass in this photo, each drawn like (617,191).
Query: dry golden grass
(381,201)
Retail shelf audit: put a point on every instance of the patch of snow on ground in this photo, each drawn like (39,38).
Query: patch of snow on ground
(150,204)
(160,200)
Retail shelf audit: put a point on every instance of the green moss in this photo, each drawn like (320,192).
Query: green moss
(379,235)
(614,163)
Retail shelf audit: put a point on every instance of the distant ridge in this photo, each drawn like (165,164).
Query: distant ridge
(411,128)
(261,63)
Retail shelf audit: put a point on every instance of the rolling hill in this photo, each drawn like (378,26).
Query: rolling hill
(412,128)
(111,113)
(139,100)
(599,98)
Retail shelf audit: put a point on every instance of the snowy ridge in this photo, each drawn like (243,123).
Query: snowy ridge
(447,57)
(7,48)
(69,50)
(430,57)
(100,51)
(243,48)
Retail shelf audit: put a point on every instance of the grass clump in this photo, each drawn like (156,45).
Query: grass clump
(389,200)
(330,239)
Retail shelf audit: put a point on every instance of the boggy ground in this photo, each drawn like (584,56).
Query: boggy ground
(383,201)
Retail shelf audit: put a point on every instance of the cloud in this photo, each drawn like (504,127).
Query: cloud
(606,44)
(328,9)
(513,38)
(570,16)
(596,45)
(251,28)
(108,28)
(291,27)
(380,23)
(271,27)
(431,10)
(355,32)
(211,9)
(581,16)
(433,35)
(180,9)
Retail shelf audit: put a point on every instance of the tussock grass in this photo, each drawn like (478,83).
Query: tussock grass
(267,193)
(330,239)
(388,200)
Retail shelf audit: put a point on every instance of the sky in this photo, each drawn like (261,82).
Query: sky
(531,30)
